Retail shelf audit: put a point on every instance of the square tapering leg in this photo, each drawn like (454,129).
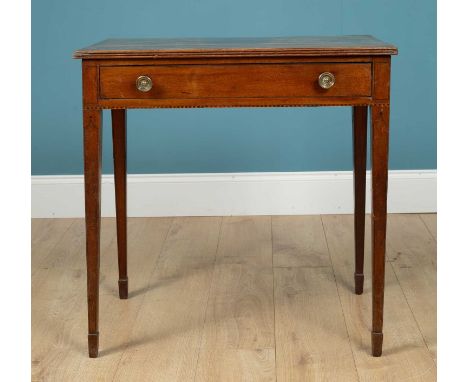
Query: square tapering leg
(92,120)
(380,132)
(359,154)
(119,138)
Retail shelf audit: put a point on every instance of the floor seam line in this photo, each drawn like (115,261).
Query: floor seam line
(274,295)
(209,297)
(302,266)
(427,228)
(412,313)
(144,295)
(339,299)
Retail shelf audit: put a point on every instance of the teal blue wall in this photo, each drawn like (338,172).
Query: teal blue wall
(230,140)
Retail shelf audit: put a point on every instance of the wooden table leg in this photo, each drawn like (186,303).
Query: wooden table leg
(359,153)
(119,138)
(380,130)
(92,126)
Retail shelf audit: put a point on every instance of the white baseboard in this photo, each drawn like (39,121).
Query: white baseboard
(283,193)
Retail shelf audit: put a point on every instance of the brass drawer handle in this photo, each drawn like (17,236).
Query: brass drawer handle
(144,83)
(326,80)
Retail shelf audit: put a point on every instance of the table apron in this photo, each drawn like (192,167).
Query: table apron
(232,102)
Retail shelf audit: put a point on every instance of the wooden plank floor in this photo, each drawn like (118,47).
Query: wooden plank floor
(234,299)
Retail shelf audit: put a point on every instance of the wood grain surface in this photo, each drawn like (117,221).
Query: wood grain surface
(298,241)
(412,253)
(406,356)
(238,341)
(168,329)
(208,305)
(230,81)
(244,46)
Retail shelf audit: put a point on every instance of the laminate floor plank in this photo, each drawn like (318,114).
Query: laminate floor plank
(311,339)
(238,341)
(411,250)
(299,241)
(405,356)
(246,240)
(59,310)
(251,298)
(69,249)
(45,234)
(165,339)
(430,220)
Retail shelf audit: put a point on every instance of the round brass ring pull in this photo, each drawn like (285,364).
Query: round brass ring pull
(144,83)
(326,80)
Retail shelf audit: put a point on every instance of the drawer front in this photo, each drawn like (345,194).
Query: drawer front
(231,81)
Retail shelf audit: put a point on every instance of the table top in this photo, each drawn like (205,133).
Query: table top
(243,46)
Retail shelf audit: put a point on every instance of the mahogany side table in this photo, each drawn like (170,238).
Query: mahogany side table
(120,74)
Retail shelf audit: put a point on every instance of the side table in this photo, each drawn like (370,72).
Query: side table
(120,74)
